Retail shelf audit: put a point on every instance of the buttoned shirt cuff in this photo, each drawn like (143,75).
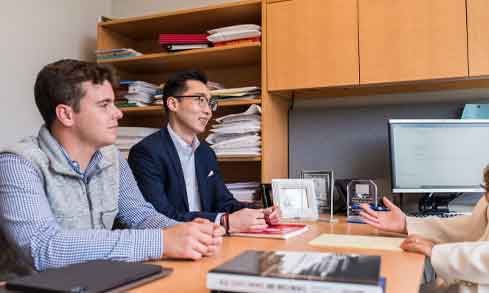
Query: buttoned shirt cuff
(148,244)
(218,218)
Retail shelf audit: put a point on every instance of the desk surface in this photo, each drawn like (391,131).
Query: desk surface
(402,270)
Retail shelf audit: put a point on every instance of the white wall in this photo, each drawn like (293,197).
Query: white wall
(126,8)
(33,34)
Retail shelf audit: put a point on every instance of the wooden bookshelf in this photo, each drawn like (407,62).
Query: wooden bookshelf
(232,66)
(239,158)
(215,57)
(195,20)
(238,102)
(159,109)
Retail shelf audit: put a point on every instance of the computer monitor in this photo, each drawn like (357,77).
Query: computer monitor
(430,156)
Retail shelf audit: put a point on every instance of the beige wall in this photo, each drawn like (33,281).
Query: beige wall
(33,34)
(126,8)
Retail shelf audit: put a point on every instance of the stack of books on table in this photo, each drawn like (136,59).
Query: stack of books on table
(116,53)
(233,35)
(238,134)
(178,42)
(291,271)
(129,136)
(249,92)
(247,192)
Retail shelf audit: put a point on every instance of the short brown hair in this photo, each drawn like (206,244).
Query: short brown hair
(60,83)
(486,178)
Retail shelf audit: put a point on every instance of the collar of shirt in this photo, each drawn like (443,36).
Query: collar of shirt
(76,166)
(181,145)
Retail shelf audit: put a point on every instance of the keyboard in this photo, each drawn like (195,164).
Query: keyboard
(437,214)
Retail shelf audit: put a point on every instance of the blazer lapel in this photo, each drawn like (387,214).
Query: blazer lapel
(172,153)
(201,172)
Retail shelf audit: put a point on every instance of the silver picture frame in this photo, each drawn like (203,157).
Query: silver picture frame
(295,198)
(324,188)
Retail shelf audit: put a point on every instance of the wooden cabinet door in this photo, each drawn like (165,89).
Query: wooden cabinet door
(311,43)
(404,40)
(478,30)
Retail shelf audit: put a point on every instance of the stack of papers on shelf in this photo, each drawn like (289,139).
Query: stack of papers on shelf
(237,134)
(141,93)
(245,191)
(235,34)
(129,136)
(249,92)
(116,53)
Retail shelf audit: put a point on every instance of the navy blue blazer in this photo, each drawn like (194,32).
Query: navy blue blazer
(159,174)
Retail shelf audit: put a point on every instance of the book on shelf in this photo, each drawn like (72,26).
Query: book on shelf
(294,271)
(116,53)
(237,42)
(183,39)
(279,231)
(180,47)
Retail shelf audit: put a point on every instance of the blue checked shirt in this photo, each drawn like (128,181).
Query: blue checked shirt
(27,220)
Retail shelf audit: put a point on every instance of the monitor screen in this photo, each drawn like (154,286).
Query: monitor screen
(438,155)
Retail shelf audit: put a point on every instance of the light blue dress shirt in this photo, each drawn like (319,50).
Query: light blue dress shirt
(186,154)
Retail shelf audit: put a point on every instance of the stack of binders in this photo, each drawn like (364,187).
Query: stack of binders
(178,42)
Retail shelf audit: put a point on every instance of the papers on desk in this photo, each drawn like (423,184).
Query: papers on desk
(237,134)
(358,241)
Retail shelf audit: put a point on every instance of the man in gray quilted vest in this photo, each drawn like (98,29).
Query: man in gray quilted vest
(61,191)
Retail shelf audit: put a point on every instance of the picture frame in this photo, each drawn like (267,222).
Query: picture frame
(295,198)
(323,187)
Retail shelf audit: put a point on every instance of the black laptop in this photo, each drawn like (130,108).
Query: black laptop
(92,276)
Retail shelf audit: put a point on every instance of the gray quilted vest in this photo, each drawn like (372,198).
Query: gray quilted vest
(76,205)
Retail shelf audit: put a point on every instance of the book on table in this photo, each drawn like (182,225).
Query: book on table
(294,271)
(280,231)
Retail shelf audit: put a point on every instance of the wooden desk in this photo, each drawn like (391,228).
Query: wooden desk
(402,270)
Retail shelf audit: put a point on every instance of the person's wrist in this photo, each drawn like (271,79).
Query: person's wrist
(225,222)
(231,224)
(164,248)
(404,224)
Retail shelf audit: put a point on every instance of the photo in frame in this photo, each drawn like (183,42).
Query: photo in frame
(323,188)
(295,198)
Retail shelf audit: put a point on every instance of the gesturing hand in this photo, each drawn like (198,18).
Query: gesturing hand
(391,221)
(415,243)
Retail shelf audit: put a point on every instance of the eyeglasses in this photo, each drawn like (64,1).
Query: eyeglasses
(202,101)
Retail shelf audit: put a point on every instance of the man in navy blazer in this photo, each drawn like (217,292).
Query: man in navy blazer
(179,174)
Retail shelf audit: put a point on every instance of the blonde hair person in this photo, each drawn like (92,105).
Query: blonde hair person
(458,247)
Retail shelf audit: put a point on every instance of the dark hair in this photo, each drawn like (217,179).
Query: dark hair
(486,178)
(60,83)
(177,84)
